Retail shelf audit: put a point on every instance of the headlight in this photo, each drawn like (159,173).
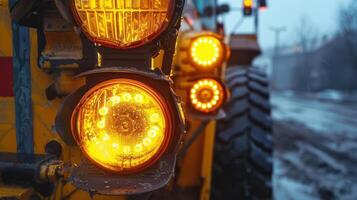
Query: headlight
(128,124)
(206,52)
(122,125)
(123,24)
(207,95)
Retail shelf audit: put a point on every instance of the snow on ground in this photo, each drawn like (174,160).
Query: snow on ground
(287,188)
(320,116)
(315,145)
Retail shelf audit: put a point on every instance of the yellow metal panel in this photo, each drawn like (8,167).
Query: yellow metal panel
(196,167)
(44,113)
(17,192)
(190,167)
(157,61)
(7,108)
(206,171)
(7,125)
(5,29)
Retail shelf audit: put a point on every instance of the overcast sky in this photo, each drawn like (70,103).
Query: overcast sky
(288,13)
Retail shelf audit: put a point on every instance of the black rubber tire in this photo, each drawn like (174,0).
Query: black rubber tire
(242,167)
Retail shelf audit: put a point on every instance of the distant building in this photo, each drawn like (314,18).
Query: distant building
(331,65)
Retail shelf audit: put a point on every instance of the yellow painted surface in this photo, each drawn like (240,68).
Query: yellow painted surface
(207,160)
(7,125)
(5,30)
(196,166)
(157,61)
(17,192)
(44,113)
(190,167)
(190,174)
(7,108)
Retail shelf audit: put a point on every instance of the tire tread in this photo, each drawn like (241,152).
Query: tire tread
(242,167)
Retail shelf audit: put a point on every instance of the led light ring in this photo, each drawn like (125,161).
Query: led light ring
(165,108)
(248,3)
(170,14)
(217,56)
(210,86)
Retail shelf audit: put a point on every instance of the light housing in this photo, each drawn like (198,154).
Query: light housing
(263,4)
(201,52)
(207,52)
(247,7)
(80,110)
(207,95)
(123,24)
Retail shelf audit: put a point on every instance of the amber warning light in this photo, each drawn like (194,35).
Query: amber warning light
(122,125)
(207,95)
(207,52)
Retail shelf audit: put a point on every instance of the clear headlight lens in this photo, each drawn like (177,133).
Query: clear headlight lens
(122,125)
(122,23)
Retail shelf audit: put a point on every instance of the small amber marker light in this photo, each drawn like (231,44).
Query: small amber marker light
(206,52)
(207,95)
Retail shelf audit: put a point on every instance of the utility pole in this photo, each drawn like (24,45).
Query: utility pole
(215,14)
(256,20)
(277,31)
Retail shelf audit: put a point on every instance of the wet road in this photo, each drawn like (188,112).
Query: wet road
(315,149)
(321,116)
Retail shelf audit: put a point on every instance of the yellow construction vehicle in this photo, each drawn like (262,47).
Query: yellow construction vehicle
(94,115)
(103,99)
(229,139)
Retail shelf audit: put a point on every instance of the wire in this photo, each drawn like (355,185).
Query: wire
(189,23)
(189,143)
(238,24)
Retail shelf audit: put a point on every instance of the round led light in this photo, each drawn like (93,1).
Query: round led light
(123,24)
(122,125)
(207,95)
(206,52)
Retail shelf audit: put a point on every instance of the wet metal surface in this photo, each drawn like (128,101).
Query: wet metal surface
(22,87)
(94,180)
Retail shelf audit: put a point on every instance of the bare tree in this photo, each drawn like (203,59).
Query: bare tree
(348,29)
(306,35)
(306,40)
